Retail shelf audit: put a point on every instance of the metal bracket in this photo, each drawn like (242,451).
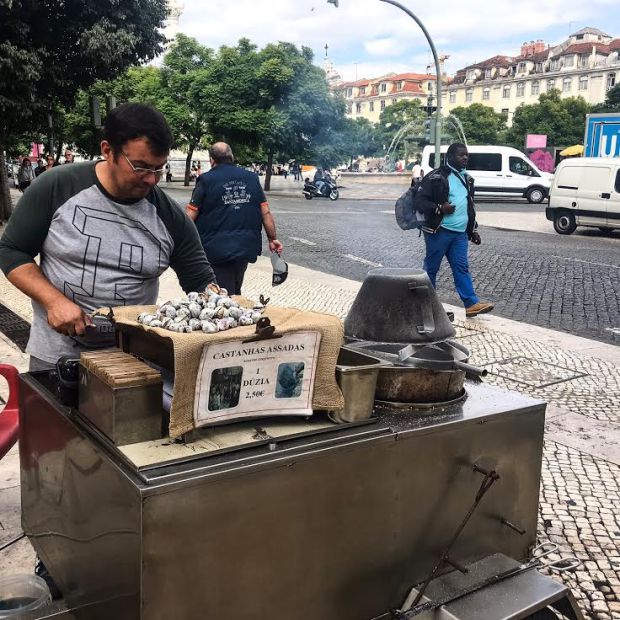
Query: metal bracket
(264,331)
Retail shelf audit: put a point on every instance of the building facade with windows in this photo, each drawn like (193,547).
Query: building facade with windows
(587,64)
(366,98)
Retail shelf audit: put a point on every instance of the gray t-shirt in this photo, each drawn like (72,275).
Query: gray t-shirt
(97,250)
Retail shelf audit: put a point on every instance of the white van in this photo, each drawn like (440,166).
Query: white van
(499,171)
(585,192)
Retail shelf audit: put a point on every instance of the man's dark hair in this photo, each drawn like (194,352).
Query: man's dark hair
(221,153)
(130,121)
(453,148)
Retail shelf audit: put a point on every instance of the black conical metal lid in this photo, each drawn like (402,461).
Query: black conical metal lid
(397,305)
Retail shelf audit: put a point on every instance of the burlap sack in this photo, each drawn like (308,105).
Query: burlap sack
(188,349)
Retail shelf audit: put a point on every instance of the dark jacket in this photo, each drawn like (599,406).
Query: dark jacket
(434,191)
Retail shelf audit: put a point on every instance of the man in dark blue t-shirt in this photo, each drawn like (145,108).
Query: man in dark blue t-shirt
(229,208)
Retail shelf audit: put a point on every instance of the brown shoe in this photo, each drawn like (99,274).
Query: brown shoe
(476,309)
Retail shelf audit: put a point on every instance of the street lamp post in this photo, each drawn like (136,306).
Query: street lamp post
(437,71)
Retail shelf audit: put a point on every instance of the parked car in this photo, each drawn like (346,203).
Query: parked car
(499,171)
(585,192)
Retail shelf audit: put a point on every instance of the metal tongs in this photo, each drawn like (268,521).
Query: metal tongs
(100,333)
(561,565)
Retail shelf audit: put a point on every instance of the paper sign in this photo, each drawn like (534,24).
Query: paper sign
(265,378)
(535,141)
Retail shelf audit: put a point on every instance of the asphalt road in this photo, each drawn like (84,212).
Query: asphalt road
(569,283)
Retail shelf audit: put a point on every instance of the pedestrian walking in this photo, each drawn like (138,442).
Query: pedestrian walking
(198,171)
(25,174)
(40,167)
(446,197)
(230,209)
(416,173)
(51,162)
(69,157)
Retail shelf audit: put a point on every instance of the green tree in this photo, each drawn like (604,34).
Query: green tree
(406,115)
(273,101)
(562,120)
(360,138)
(481,124)
(186,74)
(49,53)
(612,101)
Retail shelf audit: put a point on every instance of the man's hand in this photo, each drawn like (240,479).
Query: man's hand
(475,238)
(67,318)
(447,208)
(275,246)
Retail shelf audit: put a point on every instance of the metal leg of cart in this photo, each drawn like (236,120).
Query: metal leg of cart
(481,593)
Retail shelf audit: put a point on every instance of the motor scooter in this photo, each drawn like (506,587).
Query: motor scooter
(328,190)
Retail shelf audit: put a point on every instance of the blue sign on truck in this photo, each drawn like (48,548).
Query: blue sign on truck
(602,135)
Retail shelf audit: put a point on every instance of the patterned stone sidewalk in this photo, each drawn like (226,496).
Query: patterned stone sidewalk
(580,491)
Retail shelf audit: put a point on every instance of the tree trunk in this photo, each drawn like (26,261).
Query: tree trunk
(6,204)
(268,171)
(188,164)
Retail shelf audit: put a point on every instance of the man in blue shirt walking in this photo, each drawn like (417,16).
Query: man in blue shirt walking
(229,209)
(450,190)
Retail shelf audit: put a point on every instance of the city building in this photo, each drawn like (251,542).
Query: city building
(587,64)
(366,98)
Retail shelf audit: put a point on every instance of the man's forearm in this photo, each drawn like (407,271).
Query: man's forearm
(270,226)
(29,279)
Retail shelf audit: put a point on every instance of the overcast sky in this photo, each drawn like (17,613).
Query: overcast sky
(368,38)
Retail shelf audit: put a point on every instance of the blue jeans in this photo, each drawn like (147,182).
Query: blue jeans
(453,245)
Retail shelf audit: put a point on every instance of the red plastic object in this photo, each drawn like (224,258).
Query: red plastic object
(9,417)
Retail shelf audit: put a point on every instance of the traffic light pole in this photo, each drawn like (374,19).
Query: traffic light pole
(437,72)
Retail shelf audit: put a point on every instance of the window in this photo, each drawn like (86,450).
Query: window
(520,89)
(583,82)
(518,165)
(358,107)
(554,65)
(469,95)
(349,92)
(489,162)
(505,111)
(371,106)
(611,80)
(486,94)
(383,88)
(550,85)
(535,87)
(582,61)
(579,37)
(506,92)
(539,67)
(569,61)
(399,85)
(363,90)
(488,74)
(429,86)
(383,104)
(395,100)
(521,67)
(617,186)
(567,84)
(470,75)
(452,96)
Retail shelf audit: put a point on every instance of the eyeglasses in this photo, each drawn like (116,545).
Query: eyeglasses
(143,172)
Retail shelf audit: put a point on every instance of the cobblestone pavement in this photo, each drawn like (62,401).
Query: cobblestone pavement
(580,490)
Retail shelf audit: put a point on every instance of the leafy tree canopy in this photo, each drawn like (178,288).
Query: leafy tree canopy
(562,120)
(612,101)
(481,124)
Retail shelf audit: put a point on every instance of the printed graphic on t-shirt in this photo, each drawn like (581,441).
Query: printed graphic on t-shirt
(236,194)
(110,243)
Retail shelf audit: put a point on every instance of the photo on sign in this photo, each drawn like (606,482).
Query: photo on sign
(290,380)
(225,388)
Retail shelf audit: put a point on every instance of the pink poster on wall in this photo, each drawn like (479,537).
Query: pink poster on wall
(535,141)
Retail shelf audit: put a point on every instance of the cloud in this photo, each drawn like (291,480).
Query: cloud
(375,34)
(381,47)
